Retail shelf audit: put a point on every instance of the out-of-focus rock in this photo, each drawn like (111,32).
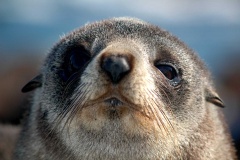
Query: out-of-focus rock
(8,137)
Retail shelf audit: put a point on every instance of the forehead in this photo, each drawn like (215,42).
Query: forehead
(96,36)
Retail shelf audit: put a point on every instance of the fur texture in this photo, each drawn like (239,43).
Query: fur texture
(144,116)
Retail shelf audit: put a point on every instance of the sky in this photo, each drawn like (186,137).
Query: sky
(175,11)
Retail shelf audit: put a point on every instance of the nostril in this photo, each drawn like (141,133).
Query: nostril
(116,67)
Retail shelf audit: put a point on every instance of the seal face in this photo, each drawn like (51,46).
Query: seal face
(123,89)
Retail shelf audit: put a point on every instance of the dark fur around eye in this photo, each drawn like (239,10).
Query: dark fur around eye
(74,62)
(170,73)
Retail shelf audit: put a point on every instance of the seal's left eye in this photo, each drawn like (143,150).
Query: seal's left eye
(78,59)
(75,61)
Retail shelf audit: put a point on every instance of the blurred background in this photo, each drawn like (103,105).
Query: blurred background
(28,29)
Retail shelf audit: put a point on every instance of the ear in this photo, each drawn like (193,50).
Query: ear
(33,84)
(212,97)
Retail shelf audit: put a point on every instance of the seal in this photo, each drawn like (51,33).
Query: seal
(123,89)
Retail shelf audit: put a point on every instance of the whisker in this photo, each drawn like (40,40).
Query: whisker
(156,96)
(66,108)
(76,107)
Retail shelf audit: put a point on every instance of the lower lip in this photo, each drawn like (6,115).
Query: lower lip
(114,102)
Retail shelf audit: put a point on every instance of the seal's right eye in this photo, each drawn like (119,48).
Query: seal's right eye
(170,73)
(74,62)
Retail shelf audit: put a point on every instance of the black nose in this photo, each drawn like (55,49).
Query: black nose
(116,67)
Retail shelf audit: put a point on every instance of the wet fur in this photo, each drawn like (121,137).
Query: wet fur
(69,121)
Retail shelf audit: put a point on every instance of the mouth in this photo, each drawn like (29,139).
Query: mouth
(108,108)
(113,102)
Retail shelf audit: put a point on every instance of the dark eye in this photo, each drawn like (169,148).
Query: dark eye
(74,62)
(170,73)
(78,59)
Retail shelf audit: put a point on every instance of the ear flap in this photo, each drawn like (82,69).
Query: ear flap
(33,84)
(212,97)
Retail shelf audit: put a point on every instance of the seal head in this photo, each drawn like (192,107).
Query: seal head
(125,89)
